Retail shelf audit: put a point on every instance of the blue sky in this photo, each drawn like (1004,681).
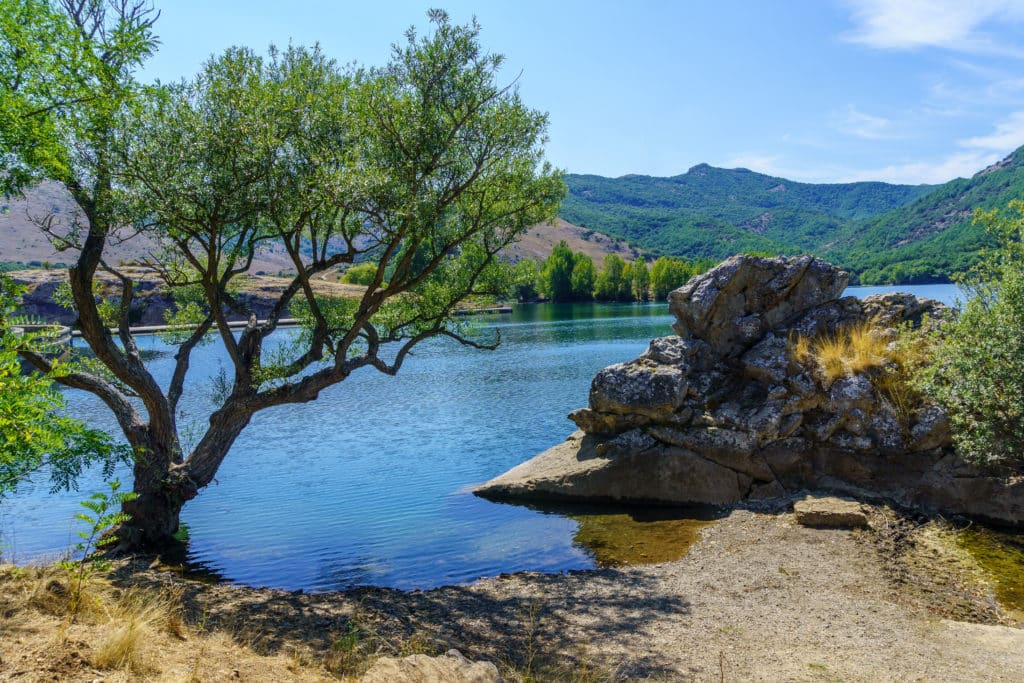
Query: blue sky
(909,91)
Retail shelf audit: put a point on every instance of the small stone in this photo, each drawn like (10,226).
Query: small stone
(830,512)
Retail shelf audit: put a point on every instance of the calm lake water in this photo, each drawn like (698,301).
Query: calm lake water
(370,483)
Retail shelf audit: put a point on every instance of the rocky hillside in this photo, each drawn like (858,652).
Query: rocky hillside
(22,242)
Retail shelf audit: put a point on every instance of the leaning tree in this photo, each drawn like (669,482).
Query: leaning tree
(426,166)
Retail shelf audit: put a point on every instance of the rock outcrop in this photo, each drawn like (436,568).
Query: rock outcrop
(730,409)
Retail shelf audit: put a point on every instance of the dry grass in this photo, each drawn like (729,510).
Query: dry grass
(890,362)
(136,633)
(850,351)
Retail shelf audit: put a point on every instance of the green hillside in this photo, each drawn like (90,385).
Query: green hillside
(715,212)
(880,232)
(932,237)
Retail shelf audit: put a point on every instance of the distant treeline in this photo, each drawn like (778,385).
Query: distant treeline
(572,276)
(566,275)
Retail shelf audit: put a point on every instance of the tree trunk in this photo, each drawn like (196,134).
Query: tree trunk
(161,490)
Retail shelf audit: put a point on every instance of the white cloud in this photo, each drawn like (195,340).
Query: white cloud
(762,163)
(1008,135)
(959,165)
(976,153)
(865,126)
(949,24)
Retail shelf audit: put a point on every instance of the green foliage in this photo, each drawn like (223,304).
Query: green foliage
(584,275)
(62,88)
(612,282)
(978,366)
(670,273)
(101,516)
(640,281)
(360,274)
(35,433)
(556,274)
(523,283)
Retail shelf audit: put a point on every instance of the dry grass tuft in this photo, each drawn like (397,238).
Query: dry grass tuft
(851,351)
(890,362)
(123,647)
(135,616)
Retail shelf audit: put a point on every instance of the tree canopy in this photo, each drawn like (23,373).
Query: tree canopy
(427,167)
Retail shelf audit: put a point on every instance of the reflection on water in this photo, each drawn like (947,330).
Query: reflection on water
(638,535)
(1001,557)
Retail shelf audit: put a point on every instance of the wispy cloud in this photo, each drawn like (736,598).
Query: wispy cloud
(957,25)
(865,126)
(1008,135)
(958,165)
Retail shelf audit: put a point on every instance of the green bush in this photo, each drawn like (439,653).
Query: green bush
(360,274)
(978,368)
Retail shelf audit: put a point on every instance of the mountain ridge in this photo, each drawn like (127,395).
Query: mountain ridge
(881,232)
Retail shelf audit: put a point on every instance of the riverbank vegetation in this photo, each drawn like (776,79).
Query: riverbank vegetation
(35,433)
(977,367)
(572,276)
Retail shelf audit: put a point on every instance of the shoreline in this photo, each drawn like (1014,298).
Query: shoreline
(758,595)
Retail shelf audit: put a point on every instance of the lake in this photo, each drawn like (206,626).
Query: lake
(370,483)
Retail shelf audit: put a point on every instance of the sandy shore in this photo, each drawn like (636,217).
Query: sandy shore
(758,598)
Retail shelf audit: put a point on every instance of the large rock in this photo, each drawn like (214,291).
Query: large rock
(574,470)
(640,387)
(729,410)
(731,307)
(451,667)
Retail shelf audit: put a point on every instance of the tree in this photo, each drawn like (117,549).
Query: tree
(556,275)
(609,281)
(427,164)
(524,277)
(583,276)
(667,274)
(625,289)
(360,274)
(35,433)
(977,370)
(641,279)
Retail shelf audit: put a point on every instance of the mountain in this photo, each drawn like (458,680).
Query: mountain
(715,212)
(882,233)
(932,237)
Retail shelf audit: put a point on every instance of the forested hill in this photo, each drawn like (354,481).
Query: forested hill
(933,236)
(881,232)
(715,212)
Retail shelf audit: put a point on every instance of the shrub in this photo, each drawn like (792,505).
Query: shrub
(978,371)
(360,274)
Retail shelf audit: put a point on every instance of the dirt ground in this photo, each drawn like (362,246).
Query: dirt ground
(760,598)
